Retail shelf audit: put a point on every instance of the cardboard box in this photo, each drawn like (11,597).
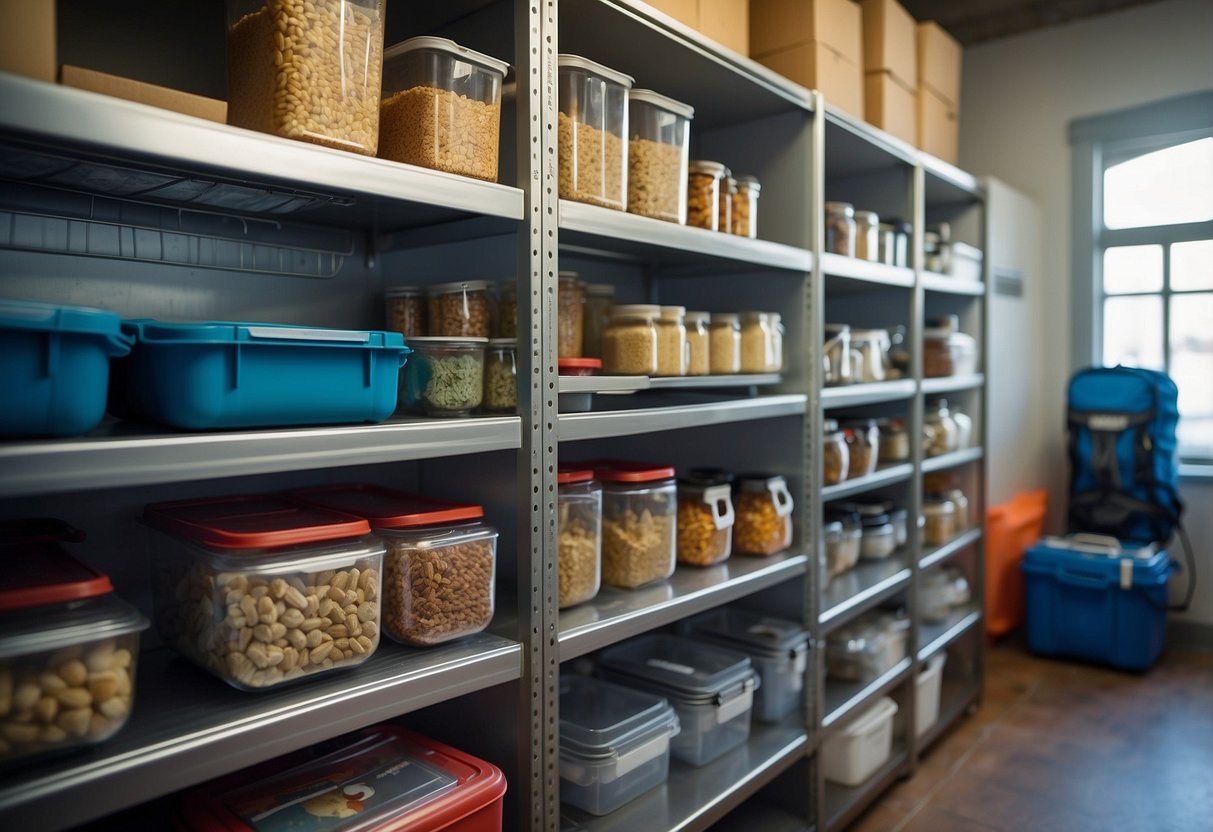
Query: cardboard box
(938,126)
(890,40)
(891,104)
(820,66)
(779,25)
(27,39)
(725,21)
(131,90)
(939,58)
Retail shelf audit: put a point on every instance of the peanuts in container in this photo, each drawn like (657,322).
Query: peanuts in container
(629,345)
(439,565)
(614,743)
(939,519)
(570,315)
(858,750)
(445,375)
(703,192)
(840,228)
(867,235)
(863,445)
(579,535)
(501,375)
(836,355)
(659,130)
(441,107)
(763,511)
(639,510)
(705,521)
(724,344)
(867,647)
(761,347)
(672,348)
(879,537)
(261,591)
(599,298)
(312,75)
(835,455)
(506,319)
(724,206)
(461,308)
(699,361)
(711,689)
(593,132)
(68,646)
(405,308)
(744,221)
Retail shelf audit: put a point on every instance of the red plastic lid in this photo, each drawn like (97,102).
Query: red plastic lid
(37,574)
(615,470)
(571,474)
(385,508)
(38,530)
(579,363)
(251,522)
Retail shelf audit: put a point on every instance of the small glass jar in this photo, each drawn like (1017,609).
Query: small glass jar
(961,502)
(672,341)
(946,351)
(405,307)
(724,210)
(629,345)
(863,443)
(867,235)
(703,193)
(599,298)
(843,538)
(445,375)
(705,522)
(579,535)
(873,346)
(501,375)
(894,441)
(879,538)
(724,344)
(763,524)
(570,315)
(939,519)
(507,310)
(759,344)
(836,355)
(898,518)
(940,433)
(698,358)
(462,309)
(840,228)
(744,221)
(886,251)
(836,457)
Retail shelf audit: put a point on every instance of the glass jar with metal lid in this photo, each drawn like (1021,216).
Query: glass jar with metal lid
(744,221)
(703,193)
(840,228)
(867,235)
(763,515)
(894,441)
(579,535)
(836,457)
(759,344)
(599,298)
(698,358)
(570,315)
(629,344)
(672,341)
(724,343)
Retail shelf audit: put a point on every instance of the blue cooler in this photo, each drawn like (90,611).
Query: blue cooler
(1098,599)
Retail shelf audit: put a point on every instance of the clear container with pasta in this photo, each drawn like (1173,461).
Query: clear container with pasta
(579,535)
(744,221)
(659,130)
(762,515)
(592,132)
(639,511)
(724,343)
(760,347)
(724,206)
(570,315)
(703,191)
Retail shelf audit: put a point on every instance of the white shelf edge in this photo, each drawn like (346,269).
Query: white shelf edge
(602,424)
(952,460)
(941,553)
(857,395)
(953,384)
(866,271)
(946,284)
(950,633)
(882,477)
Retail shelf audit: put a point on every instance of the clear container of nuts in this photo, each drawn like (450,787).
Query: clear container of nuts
(570,315)
(863,444)
(579,559)
(68,645)
(744,221)
(639,510)
(672,355)
(439,567)
(506,320)
(705,521)
(309,73)
(599,299)
(698,358)
(761,345)
(593,132)
(629,345)
(724,207)
(867,235)
(262,591)
(659,130)
(724,343)
(445,376)
(763,524)
(461,308)
(405,307)
(501,375)
(840,228)
(836,457)
(703,191)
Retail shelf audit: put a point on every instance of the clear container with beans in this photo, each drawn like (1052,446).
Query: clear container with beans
(840,228)
(835,455)
(724,206)
(579,535)
(836,355)
(261,591)
(68,646)
(501,375)
(462,308)
(863,445)
(761,347)
(703,192)
(744,219)
(939,519)
(699,361)
(940,432)
(440,564)
(705,521)
(672,356)
(867,235)
(570,315)
(639,511)
(599,300)
(763,512)
(506,320)
(405,307)
(629,345)
(309,74)
(445,376)
(660,131)
(441,107)
(592,132)
(724,344)
(894,441)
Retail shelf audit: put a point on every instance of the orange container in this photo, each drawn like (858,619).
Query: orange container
(1011,528)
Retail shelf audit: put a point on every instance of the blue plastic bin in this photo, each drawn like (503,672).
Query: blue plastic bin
(244,375)
(1089,598)
(54,366)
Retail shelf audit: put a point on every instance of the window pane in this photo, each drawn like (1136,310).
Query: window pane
(1132,269)
(1192,369)
(1161,188)
(1192,265)
(1132,331)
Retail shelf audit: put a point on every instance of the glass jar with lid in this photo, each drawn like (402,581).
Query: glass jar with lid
(836,355)
(873,346)
(894,441)
(939,519)
(947,484)
(462,309)
(724,343)
(570,315)
(844,534)
(886,250)
(703,193)
(879,539)
(758,344)
(863,443)
(579,531)
(946,351)
(599,298)
(672,341)
(940,433)
(836,457)
(405,307)
(867,235)
(698,359)
(705,521)
(840,228)
(744,221)
(629,345)
(763,515)
(724,206)
(501,375)
(639,510)
(777,333)
(507,309)
(964,428)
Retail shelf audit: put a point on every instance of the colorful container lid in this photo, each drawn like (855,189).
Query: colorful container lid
(38,572)
(567,475)
(35,316)
(599,719)
(386,508)
(567,366)
(617,470)
(252,522)
(241,332)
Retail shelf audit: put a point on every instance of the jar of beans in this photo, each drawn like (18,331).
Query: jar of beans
(461,309)
(405,308)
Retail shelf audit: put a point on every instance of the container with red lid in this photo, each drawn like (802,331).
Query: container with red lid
(383,778)
(440,562)
(261,591)
(579,500)
(579,366)
(68,646)
(639,507)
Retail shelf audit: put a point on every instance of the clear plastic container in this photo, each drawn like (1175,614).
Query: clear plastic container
(672,348)
(760,352)
(867,235)
(859,749)
(579,533)
(763,511)
(836,355)
(699,361)
(835,455)
(315,77)
(947,351)
(441,107)
(639,510)
(501,375)
(461,309)
(659,130)
(68,646)
(946,485)
(629,345)
(894,441)
(873,345)
(405,308)
(863,444)
(599,299)
(703,194)
(570,316)
(900,529)
(840,228)
(869,646)
(445,375)
(939,514)
(886,251)
(440,564)
(744,222)
(614,743)
(506,319)
(964,427)
(777,333)
(593,132)
(261,591)
(841,547)
(941,434)
(940,591)
(724,344)
(879,539)
(724,206)
(705,522)
(711,688)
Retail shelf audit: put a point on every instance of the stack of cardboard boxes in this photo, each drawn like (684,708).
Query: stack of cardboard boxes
(890,68)
(725,21)
(939,57)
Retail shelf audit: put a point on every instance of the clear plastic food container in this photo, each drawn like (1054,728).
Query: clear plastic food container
(703,193)
(261,591)
(614,743)
(579,559)
(763,524)
(440,561)
(659,131)
(593,132)
(629,345)
(879,537)
(863,444)
(761,348)
(867,235)
(841,546)
(873,345)
(461,308)
(871,645)
(315,77)
(639,510)
(836,355)
(724,344)
(570,315)
(405,307)
(445,375)
(894,441)
(840,228)
(705,521)
(939,519)
(599,298)
(672,350)
(506,325)
(699,361)
(744,222)
(947,351)
(441,107)
(835,455)
(940,431)
(711,688)
(501,375)
(68,645)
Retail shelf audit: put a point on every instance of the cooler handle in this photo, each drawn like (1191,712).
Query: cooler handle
(301,334)
(1066,576)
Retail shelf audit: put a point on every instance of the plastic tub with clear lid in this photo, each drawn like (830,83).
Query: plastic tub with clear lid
(705,521)
(614,743)
(593,132)
(441,107)
(235,577)
(873,345)
(579,535)
(840,228)
(836,456)
(724,344)
(68,646)
(599,298)
(744,221)
(405,308)
(761,348)
(699,362)
(445,376)
(570,315)
(440,563)
(672,349)
(879,539)
(629,345)
(659,130)
(946,351)
(778,649)
(867,647)
(763,511)
(639,511)
(461,308)
(501,375)
(711,688)
(939,519)
(703,192)
(836,355)
(867,235)
(863,443)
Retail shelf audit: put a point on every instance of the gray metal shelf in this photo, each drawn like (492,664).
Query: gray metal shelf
(862,588)
(714,382)
(843,699)
(187,726)
(648,416)
(939,554)
(844,803)
(757,814)
(955,697)
(937,635)
(858,395)
(854,147)
(946,184)
(952,384)
(882,477)
(616,614)
(948,285)
(952,460)
(837,267)
(126,454)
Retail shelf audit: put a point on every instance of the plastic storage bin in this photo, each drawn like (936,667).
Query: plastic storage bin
(243,375)
(384,778)
(614,743)
(868,647)
(659,131)
(1097,599)
(711,688)
(441,107)
(855,753)
(54,366)
(445,375)
(929,688)
(579,557)
(763,524)
(234,578)
(639,510)
(593,132)
(68,646)
(705,522)
(1011,528)
(966,262)
(439,564)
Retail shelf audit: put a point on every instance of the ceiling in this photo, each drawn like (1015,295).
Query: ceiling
(973,21)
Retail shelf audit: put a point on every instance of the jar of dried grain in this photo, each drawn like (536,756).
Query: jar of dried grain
(629,345)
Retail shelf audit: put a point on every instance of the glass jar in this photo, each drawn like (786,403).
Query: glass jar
(777,333)
(698,358)
(763,524)
(639,510)
(705,522)
(879,538)
(462,309)
(843,538)
(405,307)
(964,428)
(744,221)
(836,355)
(570,315)
(863,444)
(961,502)
(703,192)
(836,457)
(758,344)
(672,342)
(867,235)
(629,345)
(886,251)
(894,441)
(939,519)
(840,228)
(659,129)
(445,375)
(599,298)
(898,518)
(873,346)
(724,207)
(946,351)
(507,310)
(579,535)
(592,132)
(940,433)
(501,375)
(724,344)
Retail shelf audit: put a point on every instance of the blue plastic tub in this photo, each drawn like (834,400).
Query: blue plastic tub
(1091,600)
(244,375)
(54,366)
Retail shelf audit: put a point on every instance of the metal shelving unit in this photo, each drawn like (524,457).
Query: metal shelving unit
(659,417)
(859,395)
(937,635)
(939,554)
(869,584)
(952,460)
(888,475)
(952,384)
(842,804)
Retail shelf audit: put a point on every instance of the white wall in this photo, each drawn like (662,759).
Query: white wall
(1019,96)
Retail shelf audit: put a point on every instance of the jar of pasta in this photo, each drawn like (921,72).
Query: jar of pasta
(629,345)
(724,211)
(570,315)
(724,344)
(705,521)
(745,207)
(672,342)
(579,530)
(762,515)
(703,193)
(863,443)
(698,362)
(867,235)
